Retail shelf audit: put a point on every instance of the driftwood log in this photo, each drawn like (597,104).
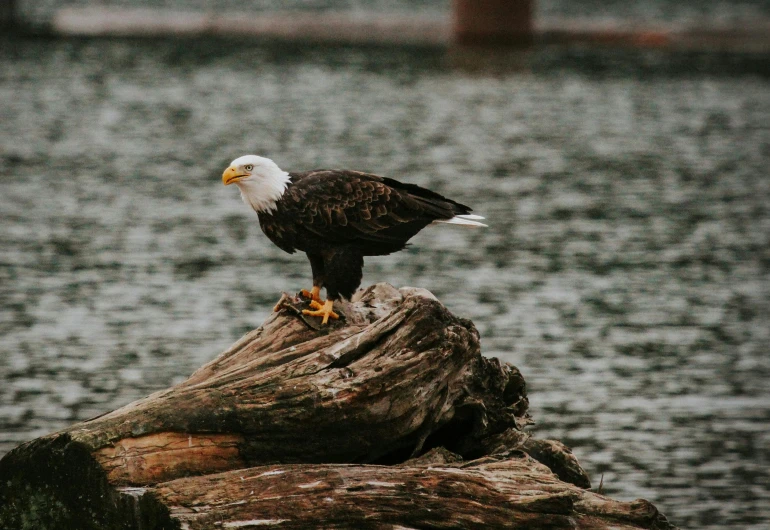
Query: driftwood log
(388,418)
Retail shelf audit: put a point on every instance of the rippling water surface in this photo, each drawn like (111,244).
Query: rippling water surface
(625,269)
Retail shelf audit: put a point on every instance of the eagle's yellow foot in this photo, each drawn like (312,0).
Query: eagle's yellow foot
(314,295)
(324,311)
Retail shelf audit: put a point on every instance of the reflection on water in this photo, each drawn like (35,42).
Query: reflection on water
(625,269)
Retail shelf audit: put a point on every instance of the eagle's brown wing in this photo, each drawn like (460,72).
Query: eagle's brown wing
(349,207)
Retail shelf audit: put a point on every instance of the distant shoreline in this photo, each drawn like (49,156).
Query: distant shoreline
(434,30)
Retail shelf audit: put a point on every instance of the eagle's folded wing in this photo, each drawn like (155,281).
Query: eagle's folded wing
(348,206)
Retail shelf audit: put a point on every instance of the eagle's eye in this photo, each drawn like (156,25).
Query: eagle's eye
(249,167)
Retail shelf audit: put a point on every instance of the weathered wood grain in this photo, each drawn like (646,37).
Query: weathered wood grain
(511,490)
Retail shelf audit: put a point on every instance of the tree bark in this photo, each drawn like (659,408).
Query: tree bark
(390,416)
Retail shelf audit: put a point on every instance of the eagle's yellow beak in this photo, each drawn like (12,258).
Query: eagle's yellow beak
(231,175)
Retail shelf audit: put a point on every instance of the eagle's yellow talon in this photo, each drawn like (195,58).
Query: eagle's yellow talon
(314,295)
(324,311)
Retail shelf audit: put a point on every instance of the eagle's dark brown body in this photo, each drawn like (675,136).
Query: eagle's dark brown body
(338,217)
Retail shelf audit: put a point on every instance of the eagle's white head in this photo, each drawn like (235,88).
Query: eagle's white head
(260,180)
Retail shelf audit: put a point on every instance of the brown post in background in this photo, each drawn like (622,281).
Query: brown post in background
(495,22)
(7,14)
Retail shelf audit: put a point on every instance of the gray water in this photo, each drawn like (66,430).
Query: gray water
(625,268)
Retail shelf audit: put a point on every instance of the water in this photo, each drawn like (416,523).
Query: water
(625,269)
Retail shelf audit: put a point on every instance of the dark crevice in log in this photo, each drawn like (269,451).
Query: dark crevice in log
(452,435)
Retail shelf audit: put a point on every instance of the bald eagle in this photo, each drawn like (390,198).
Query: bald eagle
(337,217)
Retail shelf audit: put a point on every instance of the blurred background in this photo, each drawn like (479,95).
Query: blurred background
(625,269)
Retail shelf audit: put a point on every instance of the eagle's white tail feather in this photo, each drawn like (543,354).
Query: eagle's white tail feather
(470,216)
(467,220)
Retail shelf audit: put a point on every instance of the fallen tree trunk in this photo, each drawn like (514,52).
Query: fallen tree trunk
(398,379)
(507,491)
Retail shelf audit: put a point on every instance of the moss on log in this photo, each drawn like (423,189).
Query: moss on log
(389,417)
